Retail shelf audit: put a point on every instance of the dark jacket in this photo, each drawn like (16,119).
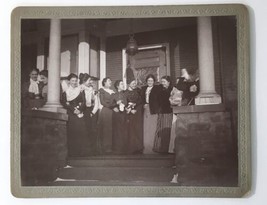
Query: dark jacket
(188,96)
(164,95)
(154,103)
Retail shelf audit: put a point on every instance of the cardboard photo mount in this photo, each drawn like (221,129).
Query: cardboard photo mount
(84,12)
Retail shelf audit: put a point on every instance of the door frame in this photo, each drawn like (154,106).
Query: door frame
(146,47)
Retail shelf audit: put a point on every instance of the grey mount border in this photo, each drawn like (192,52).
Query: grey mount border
(244,133)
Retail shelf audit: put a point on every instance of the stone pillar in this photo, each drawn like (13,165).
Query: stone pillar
(102,73)
(84,53)
(207,94)
(53,95)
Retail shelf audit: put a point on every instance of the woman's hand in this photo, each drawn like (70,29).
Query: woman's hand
(119,102)
(76,111)
(193,88)
(133,111)
(116,109)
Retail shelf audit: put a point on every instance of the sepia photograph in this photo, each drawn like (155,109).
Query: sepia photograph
(129,101)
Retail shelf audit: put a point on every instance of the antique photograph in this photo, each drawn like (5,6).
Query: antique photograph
(129,101)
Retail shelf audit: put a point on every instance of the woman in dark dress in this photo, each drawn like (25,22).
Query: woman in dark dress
(31,92)
(105,116)
(150,99)
(119,122)
(134,110)
(164,124)
(91,109)
(44,79)
(74,102)
(189,84)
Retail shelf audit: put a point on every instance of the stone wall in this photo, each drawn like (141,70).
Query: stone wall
(205,144)
(43,146)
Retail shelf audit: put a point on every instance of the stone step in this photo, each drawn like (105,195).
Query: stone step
(153,160)
(122,174)
(64,182)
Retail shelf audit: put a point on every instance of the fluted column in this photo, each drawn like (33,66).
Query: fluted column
(53,95)
(207,94)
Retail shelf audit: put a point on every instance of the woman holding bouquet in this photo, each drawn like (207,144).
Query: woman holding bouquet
(119,139)
(134,110)
(74,102)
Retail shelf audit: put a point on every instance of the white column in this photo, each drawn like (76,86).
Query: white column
(93,61)
(207,94)
(40,63)
(84,53)
(53,95)
(102,73)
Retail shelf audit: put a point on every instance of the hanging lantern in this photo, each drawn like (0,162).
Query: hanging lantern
(131,47)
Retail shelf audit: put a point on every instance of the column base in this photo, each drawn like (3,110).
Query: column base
(208,99)
(53,107)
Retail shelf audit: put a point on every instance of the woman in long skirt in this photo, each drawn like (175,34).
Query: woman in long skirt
(134,116)
(90,113)
(105,116)
(119,122)
(151,109)
(74,102)
(164,124)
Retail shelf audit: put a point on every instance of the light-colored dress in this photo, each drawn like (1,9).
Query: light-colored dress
(150,125)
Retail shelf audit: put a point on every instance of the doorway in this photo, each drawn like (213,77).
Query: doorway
(150,59)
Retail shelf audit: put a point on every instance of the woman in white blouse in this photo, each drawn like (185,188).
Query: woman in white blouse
(91,110)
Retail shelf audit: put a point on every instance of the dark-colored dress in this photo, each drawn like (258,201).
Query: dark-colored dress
(164,124)
(135,121)
(105,121)
(188,97)
(30,100)
(91,119)
(119,139)
(78,142)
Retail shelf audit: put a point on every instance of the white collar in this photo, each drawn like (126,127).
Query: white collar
(72,93)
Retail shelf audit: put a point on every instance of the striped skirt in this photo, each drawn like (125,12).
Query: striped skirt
(163,133)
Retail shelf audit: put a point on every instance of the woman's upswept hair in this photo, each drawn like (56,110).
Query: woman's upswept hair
(104,81)
(44,73)
(72,75)
(150,76)
(117,83)
(83,77)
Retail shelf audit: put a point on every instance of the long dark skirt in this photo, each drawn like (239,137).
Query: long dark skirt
(78,141)
(91,126)
(135,131)
(119,139)
(105,130)
(163,133)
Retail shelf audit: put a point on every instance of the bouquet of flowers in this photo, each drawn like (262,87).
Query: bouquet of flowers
(77,111)
(131,108)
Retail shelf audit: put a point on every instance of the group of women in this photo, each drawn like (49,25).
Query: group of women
(118,121)
(129,121)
